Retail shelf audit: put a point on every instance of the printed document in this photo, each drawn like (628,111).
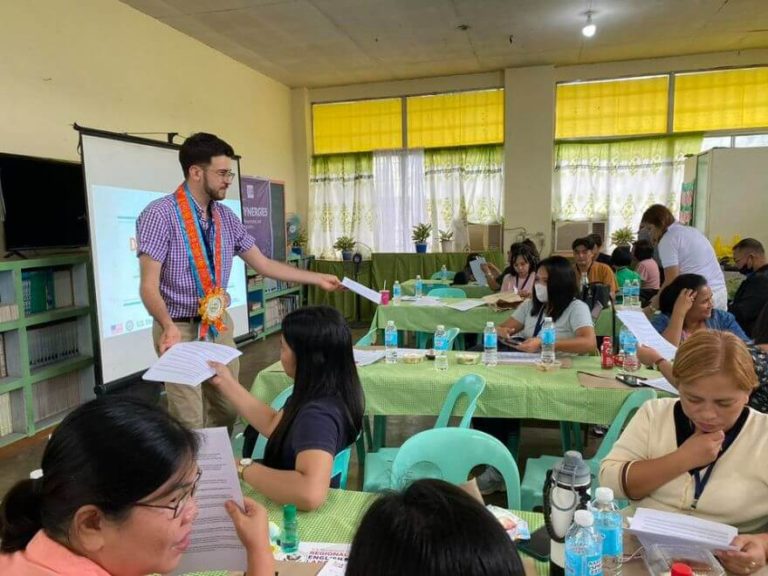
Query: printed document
(637,322)
(367,357)
(653,526)
(214,543)
(464,305)
(187,362)
(363,291)
(477,271)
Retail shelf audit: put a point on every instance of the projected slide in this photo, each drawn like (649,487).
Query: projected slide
(115,211)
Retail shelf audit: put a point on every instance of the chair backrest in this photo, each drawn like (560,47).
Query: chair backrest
(277,404)
(340,461)
(447,293)
(630,405)
(450,454)
(472,385)
(451,334)
(447,275)
(369,339)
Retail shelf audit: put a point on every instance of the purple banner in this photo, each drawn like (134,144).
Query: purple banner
(257,209)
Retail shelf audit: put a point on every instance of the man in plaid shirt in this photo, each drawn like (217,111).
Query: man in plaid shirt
(168,287)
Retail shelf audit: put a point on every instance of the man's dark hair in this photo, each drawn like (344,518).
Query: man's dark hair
(586,242)
(597,239)
(750,245)
(621,256)
(199,148)
(643,250)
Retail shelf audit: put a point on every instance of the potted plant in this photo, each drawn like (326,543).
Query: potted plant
(299,242)
(419,235)
(346,244)
(446,240)
(623,237)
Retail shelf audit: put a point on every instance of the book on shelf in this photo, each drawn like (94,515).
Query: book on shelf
(46,289)
(56,395)
(6,416)
(9,312)
(52,343)
(3,362)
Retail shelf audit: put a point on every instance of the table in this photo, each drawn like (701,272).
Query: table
(471,290)
(418,318)
(510,392)
(336,521)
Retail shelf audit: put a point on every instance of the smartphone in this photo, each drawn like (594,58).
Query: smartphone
(629,380)
(537,546)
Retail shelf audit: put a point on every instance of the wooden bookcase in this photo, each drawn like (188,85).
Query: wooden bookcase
(48,349)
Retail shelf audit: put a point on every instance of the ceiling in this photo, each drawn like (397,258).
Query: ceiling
(317,43)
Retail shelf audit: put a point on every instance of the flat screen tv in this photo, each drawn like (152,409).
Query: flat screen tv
(44,203)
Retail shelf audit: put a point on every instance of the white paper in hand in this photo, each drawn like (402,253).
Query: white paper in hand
(652,526)
(187,362)
(363,291)
(638,323)
(476,266)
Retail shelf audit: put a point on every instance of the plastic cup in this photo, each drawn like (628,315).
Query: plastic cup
(384,297)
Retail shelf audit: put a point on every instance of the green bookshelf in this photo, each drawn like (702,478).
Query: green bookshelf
(47,349)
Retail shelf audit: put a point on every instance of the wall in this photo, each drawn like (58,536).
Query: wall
(529,117)
(105,65)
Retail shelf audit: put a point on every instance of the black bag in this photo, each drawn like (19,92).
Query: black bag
(596,296)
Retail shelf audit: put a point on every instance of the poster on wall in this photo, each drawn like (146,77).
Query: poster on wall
(256,200)
(688,192)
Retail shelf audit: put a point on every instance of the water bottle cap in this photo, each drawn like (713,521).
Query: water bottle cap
(440,327)
(604,494)
(418,277)
(583,518)
(36,474)
(680,569)
(489,324)
(572,470)
(390,323)
(547,318)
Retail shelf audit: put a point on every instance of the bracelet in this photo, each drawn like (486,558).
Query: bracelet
(659,361)
(623,480)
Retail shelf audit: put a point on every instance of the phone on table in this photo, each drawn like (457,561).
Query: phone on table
(514,341)
(631,380)
(537,546)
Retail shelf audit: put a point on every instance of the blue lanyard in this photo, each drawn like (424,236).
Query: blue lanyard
(206,236)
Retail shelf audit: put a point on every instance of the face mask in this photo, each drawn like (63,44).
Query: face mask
(745,270)
(541,292)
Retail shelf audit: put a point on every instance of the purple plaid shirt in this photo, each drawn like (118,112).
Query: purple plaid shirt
(160,236)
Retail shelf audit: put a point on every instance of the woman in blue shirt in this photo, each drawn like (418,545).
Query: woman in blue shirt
(686,307)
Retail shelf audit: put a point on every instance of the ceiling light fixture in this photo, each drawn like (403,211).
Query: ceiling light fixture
(590,29)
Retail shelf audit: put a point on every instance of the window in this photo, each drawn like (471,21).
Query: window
(357,126)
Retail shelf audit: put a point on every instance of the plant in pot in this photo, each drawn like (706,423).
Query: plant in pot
(346,244)
(419,234)
(299,242)
(446,240)
(623,237)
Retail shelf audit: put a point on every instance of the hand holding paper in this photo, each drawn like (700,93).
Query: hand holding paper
(187,363)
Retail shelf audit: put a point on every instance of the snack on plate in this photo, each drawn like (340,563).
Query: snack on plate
(660,557)
(412,357)
(467,357)
(516,527)
(549,367)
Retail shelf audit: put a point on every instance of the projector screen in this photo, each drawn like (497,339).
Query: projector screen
(122,177)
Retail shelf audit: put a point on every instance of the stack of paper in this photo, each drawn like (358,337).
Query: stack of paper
(187,362)
(367,357)
(653,526)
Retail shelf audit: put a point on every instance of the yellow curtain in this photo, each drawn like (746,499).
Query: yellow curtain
(612,108)
(459,119)
(361,126)
(721,100)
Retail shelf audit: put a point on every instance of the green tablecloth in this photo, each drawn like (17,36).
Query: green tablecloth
(471,290)
(511,391)
(418,318)
(336,521)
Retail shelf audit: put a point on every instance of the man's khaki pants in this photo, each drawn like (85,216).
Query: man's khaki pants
(200,406)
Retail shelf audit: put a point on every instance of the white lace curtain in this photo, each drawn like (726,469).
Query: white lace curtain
(376,198)
(617,181)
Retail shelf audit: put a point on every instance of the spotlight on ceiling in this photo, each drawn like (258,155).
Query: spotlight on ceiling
(590,29)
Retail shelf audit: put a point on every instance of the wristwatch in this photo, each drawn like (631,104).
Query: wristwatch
(242,465)
(658,361)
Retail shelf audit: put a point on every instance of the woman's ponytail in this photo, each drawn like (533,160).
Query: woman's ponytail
(20,515)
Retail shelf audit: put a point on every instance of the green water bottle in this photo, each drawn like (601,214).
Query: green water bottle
(289,540)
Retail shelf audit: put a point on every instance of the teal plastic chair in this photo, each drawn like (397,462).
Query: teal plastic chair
(439,275)
(369,339)
(447,292)
(378,465)
(423,338)
(450,454)
(340,461)
(536,468)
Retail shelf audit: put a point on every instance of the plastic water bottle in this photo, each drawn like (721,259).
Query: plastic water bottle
(548,336)
(443,272)
(635,292)
(626,293)
(419,287)
(584,281)
(583,551)
(441,348)
(397,292)
(390,342)
(490,345)
(631,363)
(289,539)
(608,523)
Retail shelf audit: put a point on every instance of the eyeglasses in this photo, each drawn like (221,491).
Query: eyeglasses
(224,174)
(181,502)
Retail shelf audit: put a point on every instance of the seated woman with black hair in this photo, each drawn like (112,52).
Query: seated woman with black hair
(555,295)
(519,276)
(116,498)
(686,306)
(322,417)
(465,275)
(432,528)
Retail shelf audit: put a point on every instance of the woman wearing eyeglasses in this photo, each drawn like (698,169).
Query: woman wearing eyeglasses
(116,498)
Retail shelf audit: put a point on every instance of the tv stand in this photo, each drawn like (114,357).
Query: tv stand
(14,253)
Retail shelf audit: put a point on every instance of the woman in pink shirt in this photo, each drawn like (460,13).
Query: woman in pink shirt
(116,498)
(646,265)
